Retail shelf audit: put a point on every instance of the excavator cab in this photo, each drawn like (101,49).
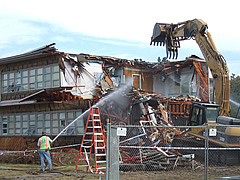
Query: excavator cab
(202,113)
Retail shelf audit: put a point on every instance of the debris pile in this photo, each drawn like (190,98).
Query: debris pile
(141,148)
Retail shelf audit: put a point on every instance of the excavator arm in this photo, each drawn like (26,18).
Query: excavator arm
(170,35)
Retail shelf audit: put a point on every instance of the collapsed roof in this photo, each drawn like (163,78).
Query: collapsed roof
(85,76)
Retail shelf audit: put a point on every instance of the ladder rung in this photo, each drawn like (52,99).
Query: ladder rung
(101,168)
(100,154)
(99,140)
(99,147)
(82,165)
(95,114)
(100,161)
(89,133)
(98,134)
(88,140)
(95,127)
(95,120)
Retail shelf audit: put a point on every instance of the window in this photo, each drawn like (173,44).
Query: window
(55,76)
(47,77)
(4,124)
(17,81)
(11,82)
(47,123)
(62,120)
(31,79)
(79,123)
(55,123)
(11,125)
(39,123)
(39,78)
(70,118)
(18,124)
(212,113)
(35,122)
(25,124)
(5,83)
(32,122)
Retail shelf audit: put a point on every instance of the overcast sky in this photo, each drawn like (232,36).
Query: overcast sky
(114,28)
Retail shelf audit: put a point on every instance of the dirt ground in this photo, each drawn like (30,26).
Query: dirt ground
(20,172)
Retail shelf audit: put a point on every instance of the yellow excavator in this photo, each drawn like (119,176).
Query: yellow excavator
(170,35)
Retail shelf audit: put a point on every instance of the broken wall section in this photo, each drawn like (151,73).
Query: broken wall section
(182,78)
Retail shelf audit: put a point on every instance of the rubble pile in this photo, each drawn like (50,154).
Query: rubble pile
(141,148)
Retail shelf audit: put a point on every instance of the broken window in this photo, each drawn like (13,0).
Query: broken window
(62,120)
(11,82)
(17,81)
(31,79)
(5,83)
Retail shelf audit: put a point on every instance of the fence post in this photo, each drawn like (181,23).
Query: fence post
(112,154)
(206,153)
(108,153)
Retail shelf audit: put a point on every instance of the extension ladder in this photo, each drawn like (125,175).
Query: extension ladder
(93,140)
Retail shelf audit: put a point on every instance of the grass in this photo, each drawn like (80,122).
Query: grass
(36,166)
(30,166)
(9,173)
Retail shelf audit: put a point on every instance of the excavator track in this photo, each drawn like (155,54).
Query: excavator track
(216,157)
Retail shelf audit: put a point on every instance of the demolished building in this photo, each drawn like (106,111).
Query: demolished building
(46,89)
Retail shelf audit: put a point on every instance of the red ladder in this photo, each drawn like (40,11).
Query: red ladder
(93,138)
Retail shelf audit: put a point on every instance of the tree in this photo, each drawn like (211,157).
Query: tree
(235,94)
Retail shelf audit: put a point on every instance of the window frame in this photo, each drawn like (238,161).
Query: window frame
(28,79)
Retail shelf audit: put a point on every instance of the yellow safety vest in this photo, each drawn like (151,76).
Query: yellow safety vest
(44,143)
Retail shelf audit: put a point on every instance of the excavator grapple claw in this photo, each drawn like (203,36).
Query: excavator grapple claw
(162,36)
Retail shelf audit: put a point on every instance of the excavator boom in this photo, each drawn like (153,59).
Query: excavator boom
(170,35)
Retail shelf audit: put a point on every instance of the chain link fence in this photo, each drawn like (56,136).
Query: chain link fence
(164,152)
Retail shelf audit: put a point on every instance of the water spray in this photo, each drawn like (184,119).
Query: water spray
(125,88)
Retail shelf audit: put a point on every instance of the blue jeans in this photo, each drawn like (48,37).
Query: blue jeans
(45,155)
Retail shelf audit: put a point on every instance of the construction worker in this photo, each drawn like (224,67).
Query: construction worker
(44,147)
